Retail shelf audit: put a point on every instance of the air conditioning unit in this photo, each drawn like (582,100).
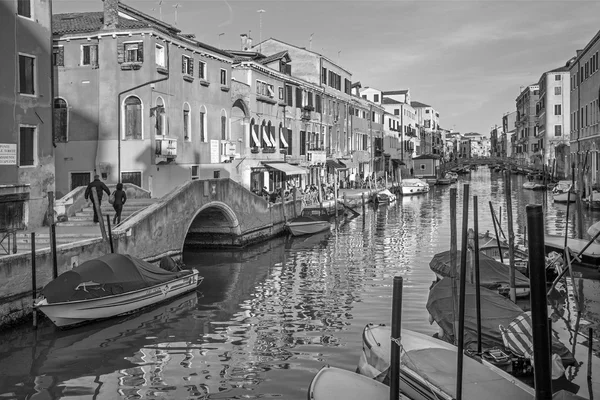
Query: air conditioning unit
(166,147)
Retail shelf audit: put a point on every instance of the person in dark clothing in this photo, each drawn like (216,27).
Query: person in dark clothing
(100,187)
(120,199)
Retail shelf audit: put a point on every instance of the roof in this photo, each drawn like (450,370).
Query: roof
(394,92)
(581,53)
(426,156)
(356,84)
(274,57)
(564,68)
(87,22)
(419,104)
(386,100)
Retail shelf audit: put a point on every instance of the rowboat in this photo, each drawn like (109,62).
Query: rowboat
(312,220)
(111,285)
(591,256)
(428,368)
(560,192)
(413,186)
(335,383)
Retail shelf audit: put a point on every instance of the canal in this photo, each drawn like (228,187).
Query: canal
(265,319)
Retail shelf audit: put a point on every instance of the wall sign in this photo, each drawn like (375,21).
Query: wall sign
(8,154)
(214,152)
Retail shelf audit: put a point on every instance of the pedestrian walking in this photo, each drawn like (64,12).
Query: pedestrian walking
(119,198)
(99,187)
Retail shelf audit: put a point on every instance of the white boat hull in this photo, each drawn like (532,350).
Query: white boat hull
(75,312)
(308,227)
(410,190)
(334,383)
(564,198)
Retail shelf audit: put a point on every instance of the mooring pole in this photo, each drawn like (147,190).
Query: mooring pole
(110,240)
(511,237)
(477,277)
(496,231)
(53,243)
(453,261)
(33,280)
(539,310)
(396,338)
(462,297)
(590,352)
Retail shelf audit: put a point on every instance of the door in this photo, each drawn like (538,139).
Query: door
(132,177)
(80,179)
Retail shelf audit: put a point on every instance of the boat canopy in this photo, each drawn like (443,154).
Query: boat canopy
(108,275)
(492,273)
(496,310)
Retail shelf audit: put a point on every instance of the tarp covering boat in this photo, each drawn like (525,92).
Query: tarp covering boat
(496,310)
(107,275)
(492,272)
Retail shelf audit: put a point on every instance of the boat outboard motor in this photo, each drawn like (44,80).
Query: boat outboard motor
(168,264)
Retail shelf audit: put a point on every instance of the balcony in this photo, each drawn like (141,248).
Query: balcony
(166,150)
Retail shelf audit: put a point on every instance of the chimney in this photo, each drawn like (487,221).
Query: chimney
(249,44)
(111,14)
(244,39)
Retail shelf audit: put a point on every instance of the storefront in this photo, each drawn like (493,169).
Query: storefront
(276,175)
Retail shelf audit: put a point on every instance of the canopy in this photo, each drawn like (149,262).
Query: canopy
(492,273)
(331,163)
(496,310)
(287,168)
(108,275)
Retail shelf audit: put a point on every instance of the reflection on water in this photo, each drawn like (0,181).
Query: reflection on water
(265,319)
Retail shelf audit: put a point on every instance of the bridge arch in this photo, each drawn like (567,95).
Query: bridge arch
(215,222)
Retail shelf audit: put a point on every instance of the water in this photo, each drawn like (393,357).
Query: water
(267,318)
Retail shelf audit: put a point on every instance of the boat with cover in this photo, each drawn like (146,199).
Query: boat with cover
(591,255)
(493,274)
(428,368)
(111,285)
(488,245)
(385,197)
(534,186)
(413,186)
(312,220)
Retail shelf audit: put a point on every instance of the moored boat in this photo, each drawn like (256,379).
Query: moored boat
(312,220)
(111,285)
(533,186)
(413,186)
(385,197)
(591,256)
(335,383)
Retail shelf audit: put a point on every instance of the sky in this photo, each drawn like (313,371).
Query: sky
(467,59)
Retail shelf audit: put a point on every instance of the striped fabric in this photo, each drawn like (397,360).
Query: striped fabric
(518,336)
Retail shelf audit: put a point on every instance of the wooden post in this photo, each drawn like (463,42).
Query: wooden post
(568,203)
(462,294)
(396,333)
(33,279)
(110,241)
(295,195)
(496,231)
(511,236)
(53,246)
(99,212)
(453,262)
(362,196)
(590,351)
(539,309)
(477,277)
(579,202)
(283,204)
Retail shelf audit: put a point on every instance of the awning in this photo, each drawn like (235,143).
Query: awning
(287,168)
(348,163)
(331,163)
(255,136)
(265,135)
(398,161)
(282,142)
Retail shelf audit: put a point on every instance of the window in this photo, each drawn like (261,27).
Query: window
(324,75)
(195,172)
(132,118)
(159,56)
(223,125)
(557,77)
(160,117)
(223,77)
(27,145)
(201,70)
(26,74)
(60,120)
(58,56)
(298,97)
(396,111)
(426,111)
(89,54)
(318,103)
(422,167)
(557,109)
(24,8)
(376,98)
(187,128)
(203,124)
(557,130)
(289,95)
(80,179)
(364,96)
(187,65)
(134,52)
(558,89)
(281,93)
(132,177)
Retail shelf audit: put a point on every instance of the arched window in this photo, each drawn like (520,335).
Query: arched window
(160,116)
(223,125)
(270,135)
(187,123)
(203,124)
(132,118)
(264,140)
(61,120)
(254,134)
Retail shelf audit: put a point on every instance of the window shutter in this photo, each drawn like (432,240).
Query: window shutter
(298,97)
(289,141)
(273,137)
(289,95)
(310,99)
(183,71)
(121,53)
(60,57)
(288,69)
(141,52)
(192,67)
(94,55)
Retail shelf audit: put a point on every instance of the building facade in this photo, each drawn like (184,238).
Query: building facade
(508,143)
(527,151)
(585,108)
(26,140)
(553,114)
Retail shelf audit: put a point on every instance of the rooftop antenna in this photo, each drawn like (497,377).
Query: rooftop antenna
(339,52)
(220,34)
(310,41)
(260,12)
(176,6)
(160,9)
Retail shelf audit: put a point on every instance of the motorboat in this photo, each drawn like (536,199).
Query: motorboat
(312,220)
(428,368)
(453,176)
(385,197)
(493,274)
(413,186)
(560,192)
(111,285)
(534,186)
(335,383)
